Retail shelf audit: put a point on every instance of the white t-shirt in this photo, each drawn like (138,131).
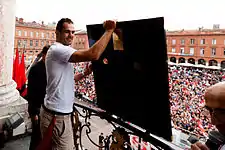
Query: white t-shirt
(222,147)
(60,79)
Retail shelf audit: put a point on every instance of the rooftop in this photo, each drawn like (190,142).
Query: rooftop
(200,31)
(34,24)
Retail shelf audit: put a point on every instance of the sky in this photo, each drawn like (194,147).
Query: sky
(178,14)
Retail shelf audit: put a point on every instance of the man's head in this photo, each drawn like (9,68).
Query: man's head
(215,103)
(44,51)
(65,31)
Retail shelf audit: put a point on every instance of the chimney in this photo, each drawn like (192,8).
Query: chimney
(216,27)
(21,20)
(200,28)
(16,19)
(42,22)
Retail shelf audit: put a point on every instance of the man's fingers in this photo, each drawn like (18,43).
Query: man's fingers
(199,146)
(202,146)
(195,147)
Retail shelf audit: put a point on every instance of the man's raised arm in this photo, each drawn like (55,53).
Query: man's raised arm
(98,48)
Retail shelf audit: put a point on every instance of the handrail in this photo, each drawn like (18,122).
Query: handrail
(192,133)
(130,129)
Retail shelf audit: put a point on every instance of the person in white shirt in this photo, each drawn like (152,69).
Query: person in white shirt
(59,97)
(215,104)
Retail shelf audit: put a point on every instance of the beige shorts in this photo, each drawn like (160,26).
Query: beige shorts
(62,137)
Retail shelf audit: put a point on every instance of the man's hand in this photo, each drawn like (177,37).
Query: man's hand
(35,119)
(199,146)
(88,69)
(109,25)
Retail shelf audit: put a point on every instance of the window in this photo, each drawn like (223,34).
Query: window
(18,43)
(25,33)
(202,41)
(182,41)
(47,35)
(192,50)
(202,51)
(224,51)
(213,41)
(53,35)
(42,43)
(82,46)
(37,42)
(25,43)
(31,42)
(31,34)
(173,41)
(37,34)
(192,41)
(19,33)
(173,50)
(182,50)
(213,51)
(42,35)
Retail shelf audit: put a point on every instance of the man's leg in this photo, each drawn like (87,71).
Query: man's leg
(100,144)
(62,137)
(63,134)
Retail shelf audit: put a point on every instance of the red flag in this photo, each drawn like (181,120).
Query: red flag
(46,142)
(24,93)
(16,68)
(23,78)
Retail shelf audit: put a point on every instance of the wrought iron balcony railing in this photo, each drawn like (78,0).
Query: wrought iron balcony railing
(120,135)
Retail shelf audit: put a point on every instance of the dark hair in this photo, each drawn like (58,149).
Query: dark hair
(60,23)
(45,49)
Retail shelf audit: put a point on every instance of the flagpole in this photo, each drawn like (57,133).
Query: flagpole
(33,63)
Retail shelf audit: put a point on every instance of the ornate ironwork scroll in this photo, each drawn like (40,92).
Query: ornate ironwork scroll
(119,139)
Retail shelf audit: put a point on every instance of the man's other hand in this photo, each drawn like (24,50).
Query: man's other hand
(199,146)
(88,69)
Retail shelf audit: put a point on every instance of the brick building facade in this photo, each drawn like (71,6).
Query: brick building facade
(31,37)
(80,40)
(203,46)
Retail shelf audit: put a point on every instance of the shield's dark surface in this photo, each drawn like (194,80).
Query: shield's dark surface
(131,77)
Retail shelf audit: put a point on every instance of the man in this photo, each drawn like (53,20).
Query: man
(36,93)
(101,138)
(215,103)
(107,142)
(59,97)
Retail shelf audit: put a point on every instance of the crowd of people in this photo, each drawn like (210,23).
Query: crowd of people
(86,85)
(187,86)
